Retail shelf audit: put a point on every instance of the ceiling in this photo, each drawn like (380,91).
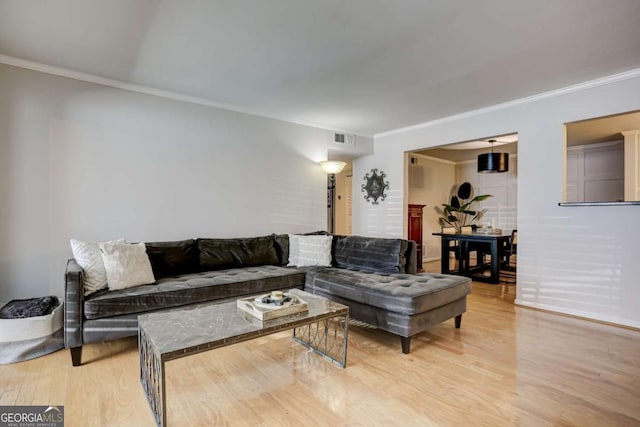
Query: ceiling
(602,129)
(361,66)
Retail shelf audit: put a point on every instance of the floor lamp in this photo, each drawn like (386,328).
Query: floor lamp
(332,167)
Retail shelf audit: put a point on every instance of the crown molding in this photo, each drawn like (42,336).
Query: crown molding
(630,74)
(104,81)
(147,90)
(595,145)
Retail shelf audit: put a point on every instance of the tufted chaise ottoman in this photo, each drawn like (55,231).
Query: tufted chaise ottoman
(403,304)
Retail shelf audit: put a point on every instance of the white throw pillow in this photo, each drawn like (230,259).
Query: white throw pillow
(126,265)
(306,251)
(88,256)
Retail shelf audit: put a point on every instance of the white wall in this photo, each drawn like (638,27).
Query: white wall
(577,260)
(93,162)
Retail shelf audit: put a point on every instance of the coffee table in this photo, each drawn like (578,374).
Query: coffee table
(173,334)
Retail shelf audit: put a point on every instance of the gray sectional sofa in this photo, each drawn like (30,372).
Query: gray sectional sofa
(375,277)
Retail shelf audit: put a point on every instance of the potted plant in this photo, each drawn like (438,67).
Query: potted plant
(459,212)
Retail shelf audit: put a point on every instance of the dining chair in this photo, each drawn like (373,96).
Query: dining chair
(455,247)
(510,260)
(462,250)
(512,252)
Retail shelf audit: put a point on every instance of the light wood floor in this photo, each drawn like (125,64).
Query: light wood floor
(507,365)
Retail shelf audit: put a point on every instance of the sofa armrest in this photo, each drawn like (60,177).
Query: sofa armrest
(411,267)
(73,304)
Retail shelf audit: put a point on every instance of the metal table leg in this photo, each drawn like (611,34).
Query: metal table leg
(327,338)
(152,377)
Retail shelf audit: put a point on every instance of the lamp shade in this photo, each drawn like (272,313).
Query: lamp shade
(333,166)
(493,162)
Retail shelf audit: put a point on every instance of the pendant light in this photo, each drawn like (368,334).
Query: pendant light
(493,162)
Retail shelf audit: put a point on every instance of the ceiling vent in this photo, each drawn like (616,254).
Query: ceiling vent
(344,138)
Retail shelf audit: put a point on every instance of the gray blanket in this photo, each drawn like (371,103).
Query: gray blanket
(32,307)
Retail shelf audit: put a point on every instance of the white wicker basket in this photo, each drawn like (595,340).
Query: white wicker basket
(30,337)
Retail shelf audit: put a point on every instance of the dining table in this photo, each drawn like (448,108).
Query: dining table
(483,243)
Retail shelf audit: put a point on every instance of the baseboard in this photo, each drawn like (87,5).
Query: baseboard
(576,316)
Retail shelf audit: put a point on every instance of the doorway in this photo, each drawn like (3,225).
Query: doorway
(343,201)
(434,175)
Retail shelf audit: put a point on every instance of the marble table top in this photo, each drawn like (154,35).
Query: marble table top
(179,333)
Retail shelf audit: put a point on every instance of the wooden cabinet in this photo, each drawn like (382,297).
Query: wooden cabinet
(415,230)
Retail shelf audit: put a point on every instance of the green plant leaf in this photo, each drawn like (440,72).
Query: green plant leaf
(455,203)
(481,198)
(461,214)
(464,191)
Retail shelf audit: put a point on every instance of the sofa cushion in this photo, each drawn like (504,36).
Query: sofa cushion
(173,258)
(282,247)
(88,256)
(401,293)
(218,254)
(370,254)
(282,244)
(127,265)
(309,250)
(192,288)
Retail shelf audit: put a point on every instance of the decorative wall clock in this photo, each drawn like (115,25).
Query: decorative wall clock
(375,186)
